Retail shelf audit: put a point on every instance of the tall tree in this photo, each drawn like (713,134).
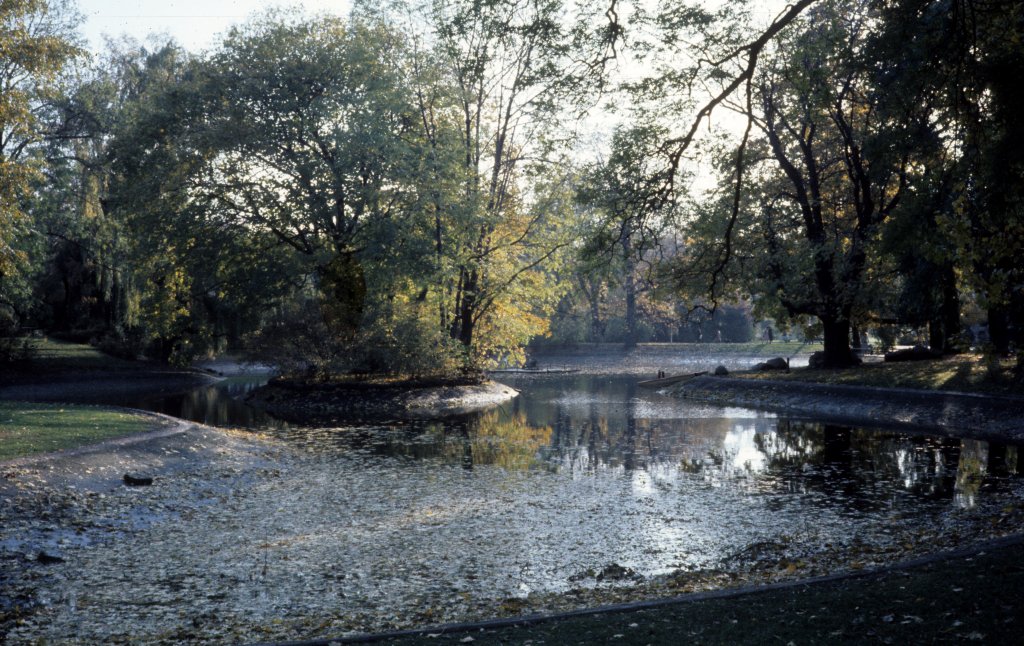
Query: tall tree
(37,43)
(502,59)
(198,281)
(619,190)
(845,157)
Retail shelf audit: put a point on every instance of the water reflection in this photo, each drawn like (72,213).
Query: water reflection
(580,427)
(577,474)
(218,404)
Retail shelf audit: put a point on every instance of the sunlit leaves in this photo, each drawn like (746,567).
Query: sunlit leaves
(36,43)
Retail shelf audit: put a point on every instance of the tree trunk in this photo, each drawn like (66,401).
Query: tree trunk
(944,326)
(999,329)
(837,343)
(596,326)
(467,311)
(630,288)
(343,294)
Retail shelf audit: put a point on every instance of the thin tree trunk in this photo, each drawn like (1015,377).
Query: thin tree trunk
(630,288)
(999,329)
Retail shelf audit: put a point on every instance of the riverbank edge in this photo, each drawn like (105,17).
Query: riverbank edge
(304,403)
(933,411)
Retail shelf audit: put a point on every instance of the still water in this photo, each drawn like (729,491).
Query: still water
(599,471)
(583,482)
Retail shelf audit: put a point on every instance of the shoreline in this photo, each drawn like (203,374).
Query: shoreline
(311,403)
(951,413)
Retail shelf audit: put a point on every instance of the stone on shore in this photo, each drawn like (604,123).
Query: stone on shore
(136,480)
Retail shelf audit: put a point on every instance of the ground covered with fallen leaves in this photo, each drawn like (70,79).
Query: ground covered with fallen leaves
(975,598)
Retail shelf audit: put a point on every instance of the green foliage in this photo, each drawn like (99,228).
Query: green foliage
(36,44)
(398,197)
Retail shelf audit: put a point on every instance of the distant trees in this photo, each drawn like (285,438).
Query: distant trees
(626,221)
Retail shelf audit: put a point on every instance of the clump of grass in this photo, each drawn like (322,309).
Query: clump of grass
(964,373)
(30,428)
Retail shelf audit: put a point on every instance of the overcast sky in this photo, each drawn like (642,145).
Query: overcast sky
(195,24)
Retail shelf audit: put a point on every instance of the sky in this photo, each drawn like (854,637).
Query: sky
(195,24)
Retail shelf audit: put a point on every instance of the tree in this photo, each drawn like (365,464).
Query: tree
(197,282)
(37,43)
(798,218)
(501,61)
(845,159)
(619,191)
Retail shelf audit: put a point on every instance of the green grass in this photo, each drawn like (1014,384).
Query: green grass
(48,356)
(964,373)
(29,428)
(51,352)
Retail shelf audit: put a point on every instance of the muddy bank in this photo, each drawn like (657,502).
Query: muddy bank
(305,402)
(915,410)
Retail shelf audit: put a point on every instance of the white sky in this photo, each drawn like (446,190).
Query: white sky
(195,24)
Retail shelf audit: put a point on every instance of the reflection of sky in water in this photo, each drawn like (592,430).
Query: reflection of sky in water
(740,447)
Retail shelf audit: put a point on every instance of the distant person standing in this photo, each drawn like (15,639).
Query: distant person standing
(771,337)
(719,336)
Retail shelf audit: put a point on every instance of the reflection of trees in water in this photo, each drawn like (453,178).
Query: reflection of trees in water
(853,464)
(970,472)
(218,405)
(492,438)
(489,438)
(593,424)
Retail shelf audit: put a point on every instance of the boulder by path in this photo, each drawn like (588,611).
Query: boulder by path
(904,408)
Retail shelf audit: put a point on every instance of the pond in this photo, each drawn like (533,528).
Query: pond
(582,472)
(584,482)
(593,471)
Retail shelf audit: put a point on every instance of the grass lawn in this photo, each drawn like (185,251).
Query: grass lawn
(964,372)
(28,428)
(53,354)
